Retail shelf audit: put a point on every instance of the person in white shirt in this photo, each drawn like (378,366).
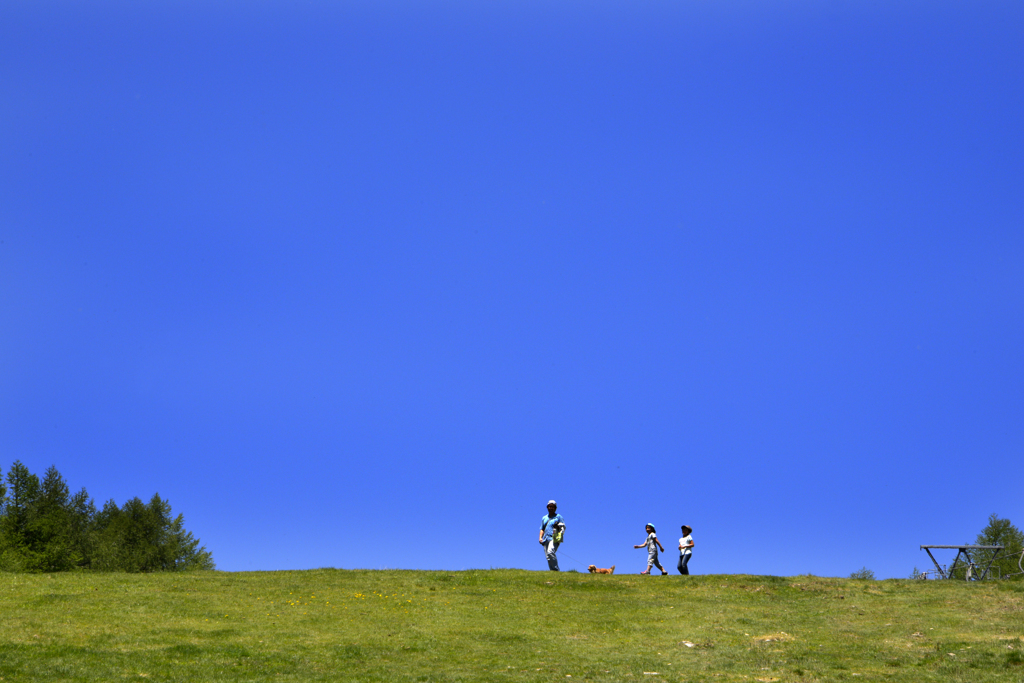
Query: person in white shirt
(652,544)
(685,550)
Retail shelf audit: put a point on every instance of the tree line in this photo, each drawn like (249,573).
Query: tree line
(46,528)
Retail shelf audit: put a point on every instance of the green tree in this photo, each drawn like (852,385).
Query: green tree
(16,544)
(51,538)
(105,535)
(3,535)
(184,549)
(24,490)
(143,537)
(42,527)
(1000,532)
(81,513)
(863,573)
(129,537)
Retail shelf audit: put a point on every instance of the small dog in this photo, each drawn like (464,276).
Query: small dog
(594,570)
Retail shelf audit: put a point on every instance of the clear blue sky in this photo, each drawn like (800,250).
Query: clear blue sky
(365,284)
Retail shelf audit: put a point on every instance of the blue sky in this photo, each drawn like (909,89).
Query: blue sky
(366,284)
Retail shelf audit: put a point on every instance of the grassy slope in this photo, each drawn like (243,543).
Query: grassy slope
(504,625)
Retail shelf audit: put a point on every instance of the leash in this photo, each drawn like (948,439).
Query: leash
(578,563)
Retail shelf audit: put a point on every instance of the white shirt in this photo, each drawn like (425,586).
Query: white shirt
(685,541)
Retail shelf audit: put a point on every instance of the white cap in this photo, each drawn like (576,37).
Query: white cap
(551,502)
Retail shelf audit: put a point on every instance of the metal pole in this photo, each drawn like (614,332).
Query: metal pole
(991,560)
(937,567)
(955,560)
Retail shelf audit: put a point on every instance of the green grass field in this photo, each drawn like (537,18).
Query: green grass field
(504,625)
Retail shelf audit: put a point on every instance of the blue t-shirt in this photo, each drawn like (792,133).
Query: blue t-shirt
(548,525)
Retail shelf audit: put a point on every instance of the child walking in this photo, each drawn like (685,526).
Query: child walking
(652,544)
(685,550)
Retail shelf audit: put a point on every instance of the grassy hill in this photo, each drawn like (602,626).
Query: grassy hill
(504,625)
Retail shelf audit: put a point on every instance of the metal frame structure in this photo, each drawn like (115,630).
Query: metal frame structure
(1020,564)
(963,550)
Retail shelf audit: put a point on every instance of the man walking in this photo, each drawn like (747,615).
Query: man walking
(551,527)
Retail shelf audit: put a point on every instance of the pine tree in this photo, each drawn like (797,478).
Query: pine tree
(176,548)
(185,551)
(24,490)
(15,529)
(3,534)
(105,538)
(52,542)
(142,537)
(81,513)
(130,538)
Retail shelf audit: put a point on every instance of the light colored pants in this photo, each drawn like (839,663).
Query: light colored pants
(652,559)
(550,548)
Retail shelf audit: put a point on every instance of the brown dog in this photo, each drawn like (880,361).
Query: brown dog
(594,570)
